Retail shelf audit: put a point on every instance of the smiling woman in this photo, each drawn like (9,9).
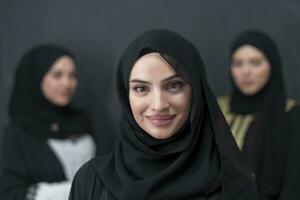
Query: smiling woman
(159,97)
(174,142)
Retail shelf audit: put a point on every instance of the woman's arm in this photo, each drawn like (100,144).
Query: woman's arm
(291,179)
(14,182)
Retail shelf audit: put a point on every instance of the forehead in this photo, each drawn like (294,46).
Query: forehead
(63,63)
(248,51)
(151,67)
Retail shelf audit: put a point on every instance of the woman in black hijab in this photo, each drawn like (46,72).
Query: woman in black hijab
(47,139)
(174,142)
(262,119)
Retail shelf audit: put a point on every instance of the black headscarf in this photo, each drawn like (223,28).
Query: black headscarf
(266,140)
(200,161)
(30,110)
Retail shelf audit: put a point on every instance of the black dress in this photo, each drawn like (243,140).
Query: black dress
(241,124)
(26,161)
(88,185)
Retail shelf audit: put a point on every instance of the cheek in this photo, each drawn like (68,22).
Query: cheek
(138,105)
(49,86)
(263,75)
(235,74)
(74,84)
(181,103)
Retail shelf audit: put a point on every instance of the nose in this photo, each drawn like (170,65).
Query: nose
(246,70)
(159,101)
(66,81)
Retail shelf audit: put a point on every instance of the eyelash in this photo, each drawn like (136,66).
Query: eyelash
(179,85)
(136,88)
(58,75)
(141,89)
(255,63)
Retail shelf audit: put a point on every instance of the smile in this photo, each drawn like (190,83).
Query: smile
(161,120)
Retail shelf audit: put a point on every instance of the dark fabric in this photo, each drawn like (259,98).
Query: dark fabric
(266,142)
(200,161)
(290,183)
(26,161)
(87,186)
(30,110)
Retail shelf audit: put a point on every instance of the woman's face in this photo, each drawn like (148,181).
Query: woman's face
(250,69)
(159,98)
(60,82)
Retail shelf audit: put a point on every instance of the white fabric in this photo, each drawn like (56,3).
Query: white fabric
(53,191)
(73,153)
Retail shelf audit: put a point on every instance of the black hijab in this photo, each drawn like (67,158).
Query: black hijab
(200,161)
(30,110)
(266,141)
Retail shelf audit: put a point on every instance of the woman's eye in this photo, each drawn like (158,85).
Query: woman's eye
(175,86)
(256,62)
(57,75)
(73,75)
(140,89)
(237,63)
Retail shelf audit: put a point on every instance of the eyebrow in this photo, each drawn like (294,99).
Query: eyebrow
(146,82)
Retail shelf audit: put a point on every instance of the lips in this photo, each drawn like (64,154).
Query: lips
(161,120)
(247,83)
(67,93)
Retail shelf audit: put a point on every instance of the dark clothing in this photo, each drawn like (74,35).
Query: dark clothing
(26,161)
(88,185)
(290,183)
(241,124)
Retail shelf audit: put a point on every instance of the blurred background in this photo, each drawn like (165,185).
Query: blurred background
(98,31)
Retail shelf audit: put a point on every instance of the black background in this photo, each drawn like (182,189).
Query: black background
(98,31)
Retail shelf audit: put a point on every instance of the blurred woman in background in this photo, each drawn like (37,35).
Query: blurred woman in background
(47,139)
(264,122)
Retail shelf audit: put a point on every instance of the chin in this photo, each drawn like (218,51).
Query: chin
(160,135)
(62,103)
(249,92)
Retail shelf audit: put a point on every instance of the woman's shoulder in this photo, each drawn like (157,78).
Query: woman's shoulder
(86,172)
(291,105)
(87,184)
(293,110)
(14,134)
(224,103)
(90,170)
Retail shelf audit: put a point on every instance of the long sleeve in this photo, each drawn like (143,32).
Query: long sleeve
(291,179)
(14,175)
(26,162)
